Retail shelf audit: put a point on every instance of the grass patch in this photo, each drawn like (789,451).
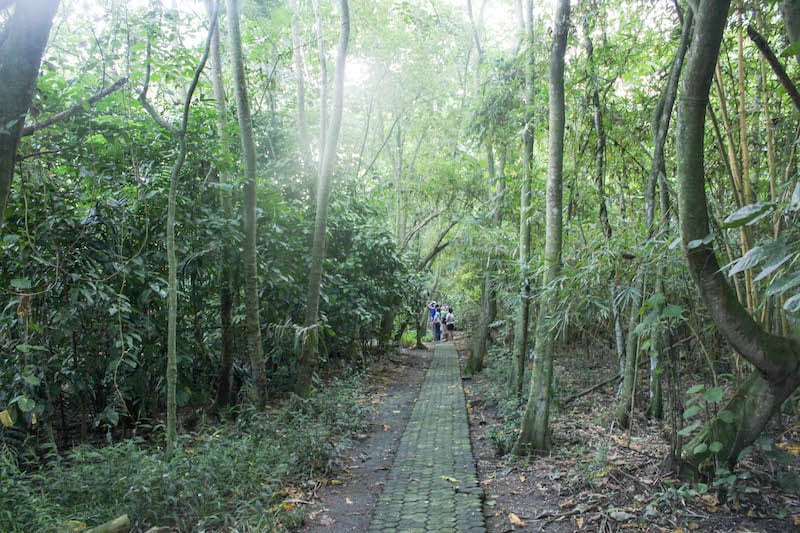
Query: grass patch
(244,475)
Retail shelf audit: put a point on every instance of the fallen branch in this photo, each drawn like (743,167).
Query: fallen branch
(592,389)
(74,110)
(121,524)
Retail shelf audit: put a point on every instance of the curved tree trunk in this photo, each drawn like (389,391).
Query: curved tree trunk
(21,52)
(534,433)
(776,359)
(179,132)
(310,352)
(255,349)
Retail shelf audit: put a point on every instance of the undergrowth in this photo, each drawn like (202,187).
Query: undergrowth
(242,475)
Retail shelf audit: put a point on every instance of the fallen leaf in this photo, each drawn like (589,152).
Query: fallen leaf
(335,482)
(621,516)
(627,443)
(348,501)
(450,479)
(514,519)
(567,503)
(522,479)
(5,419)
(387,427)
(794,449)
(579,522)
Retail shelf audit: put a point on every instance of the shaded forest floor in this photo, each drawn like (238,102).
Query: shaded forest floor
(598,477)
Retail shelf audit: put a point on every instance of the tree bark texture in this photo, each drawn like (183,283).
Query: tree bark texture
(255,349)
(20,56)
(534,433)
(776,359)
(310,352)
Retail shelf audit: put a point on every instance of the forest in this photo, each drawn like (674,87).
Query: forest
(221,222)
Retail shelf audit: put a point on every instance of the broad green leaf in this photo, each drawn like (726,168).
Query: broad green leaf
(691,411)
(9,239)
(795,203)
(700,448)
(696,243)
(715,447)
(713,395)
(21,283)
(685,432)
(753,257)
(772,267)
(783,284)
(26,404)
(791,50)
(744,453)
(792,305)
(672,311)
(726,416)
(747,214)
(32,380)
(695,389)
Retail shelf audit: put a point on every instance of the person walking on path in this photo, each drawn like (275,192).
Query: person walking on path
(437,325)
(450,323)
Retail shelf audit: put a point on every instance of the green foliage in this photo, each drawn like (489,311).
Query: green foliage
(234,474)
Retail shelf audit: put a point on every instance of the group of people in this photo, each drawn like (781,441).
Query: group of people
(443,321)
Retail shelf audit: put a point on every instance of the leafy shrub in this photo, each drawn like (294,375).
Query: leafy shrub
(239,474)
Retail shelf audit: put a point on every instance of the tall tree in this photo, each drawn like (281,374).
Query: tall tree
(776,359)
(309,354)
(22,42)
(226,281)
(534,433)
(179,133)
(255,348)
(520,348)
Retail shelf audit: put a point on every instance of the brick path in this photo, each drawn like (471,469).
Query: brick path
(432,485)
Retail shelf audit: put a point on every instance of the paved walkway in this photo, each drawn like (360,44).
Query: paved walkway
(432,485)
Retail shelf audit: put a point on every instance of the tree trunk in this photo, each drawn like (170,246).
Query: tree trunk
(520,348)
(255,350)
(791,18)
(597,121)
(297,55)
(627,391)
(534,433)
(310,351)
(657,179)
(480,338)
(21,52)
(776,359)
(226,282)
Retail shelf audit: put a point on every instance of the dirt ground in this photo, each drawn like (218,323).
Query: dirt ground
(598,479)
